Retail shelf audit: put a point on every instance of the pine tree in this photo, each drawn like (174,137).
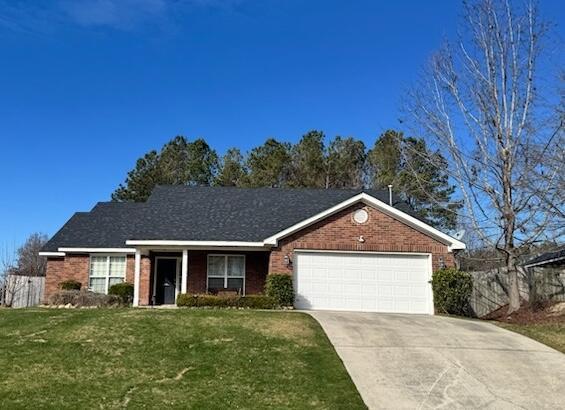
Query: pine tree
(418,176)
(202,163)
(269,165)
(179,162)
(308,161)
(345,163)
(141,180)
(232,169)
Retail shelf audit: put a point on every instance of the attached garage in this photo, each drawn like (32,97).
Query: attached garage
(370,282)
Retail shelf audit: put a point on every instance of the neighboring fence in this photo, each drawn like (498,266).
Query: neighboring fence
(490,288)
(22,291)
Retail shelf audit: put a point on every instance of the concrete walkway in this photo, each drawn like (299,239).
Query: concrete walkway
(430,362)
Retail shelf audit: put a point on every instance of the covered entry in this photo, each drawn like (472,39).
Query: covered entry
(363,281)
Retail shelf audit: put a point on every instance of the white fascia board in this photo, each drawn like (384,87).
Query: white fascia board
(97,250)
(195,243)
(56,254)
(452,243)
(362,252)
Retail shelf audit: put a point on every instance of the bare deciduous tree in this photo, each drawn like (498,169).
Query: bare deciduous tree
(480,103)
(7,267)
(29,262)
(23,262)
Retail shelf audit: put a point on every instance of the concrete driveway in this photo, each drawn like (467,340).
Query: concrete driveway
(424,362)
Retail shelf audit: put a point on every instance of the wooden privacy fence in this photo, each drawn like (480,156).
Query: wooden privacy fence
(22,291)
(490,288)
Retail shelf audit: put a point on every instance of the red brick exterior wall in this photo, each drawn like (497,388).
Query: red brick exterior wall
(74,266)
(61,269)
(144,281)
(381,233)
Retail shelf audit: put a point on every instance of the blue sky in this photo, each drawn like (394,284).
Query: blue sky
(88,86)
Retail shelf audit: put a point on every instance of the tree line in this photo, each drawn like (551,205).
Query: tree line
(342,162)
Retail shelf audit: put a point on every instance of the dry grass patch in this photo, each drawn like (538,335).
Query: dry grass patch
(300,332)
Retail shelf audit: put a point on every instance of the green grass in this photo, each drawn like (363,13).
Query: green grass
(551,334)
(138,358)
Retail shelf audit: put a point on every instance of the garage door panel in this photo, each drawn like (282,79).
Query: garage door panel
(384,290)
(385,275)
(402,291)
(335,288)
(335,274)
(351,289)
(418,291)
(363,282)
(370,291)
(369,276)
(318,273)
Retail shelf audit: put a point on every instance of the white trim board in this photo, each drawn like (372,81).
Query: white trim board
(194,243)
(97,250)
(361,252)
(52,254)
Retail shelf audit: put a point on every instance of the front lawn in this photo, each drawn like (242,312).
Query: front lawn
(551,334)
(141,358)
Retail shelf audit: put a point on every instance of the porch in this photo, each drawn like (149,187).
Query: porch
(160,275)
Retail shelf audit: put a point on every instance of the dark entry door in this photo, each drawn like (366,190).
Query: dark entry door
(166,281)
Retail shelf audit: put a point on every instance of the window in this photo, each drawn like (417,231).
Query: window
(106,271)
(226,272)
(361,216)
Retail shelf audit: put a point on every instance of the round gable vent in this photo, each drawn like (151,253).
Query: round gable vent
(361,216)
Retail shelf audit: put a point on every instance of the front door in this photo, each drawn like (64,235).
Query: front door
(166,281)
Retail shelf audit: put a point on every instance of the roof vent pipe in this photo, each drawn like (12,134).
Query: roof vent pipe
(390,195)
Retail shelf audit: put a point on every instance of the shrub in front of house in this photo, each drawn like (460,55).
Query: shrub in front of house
(452,291)
(123,290)
(62,297)
(257,302)
(70,284)
(76,298)
(215,301)
(279,287)
(91,299)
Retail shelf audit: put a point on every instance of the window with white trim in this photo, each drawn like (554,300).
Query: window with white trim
(106,271)
(226,272)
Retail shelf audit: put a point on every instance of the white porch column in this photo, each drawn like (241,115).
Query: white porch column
(184,272)
(136,277)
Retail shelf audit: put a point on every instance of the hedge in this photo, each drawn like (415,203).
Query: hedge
(279,287)
(70,284)
(84,298)
(452,291)
(123,290)
(251,301)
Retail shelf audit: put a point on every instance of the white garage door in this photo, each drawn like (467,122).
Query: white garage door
(363,282)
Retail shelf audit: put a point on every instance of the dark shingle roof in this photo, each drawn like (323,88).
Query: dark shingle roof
(201,213)
(557,256)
